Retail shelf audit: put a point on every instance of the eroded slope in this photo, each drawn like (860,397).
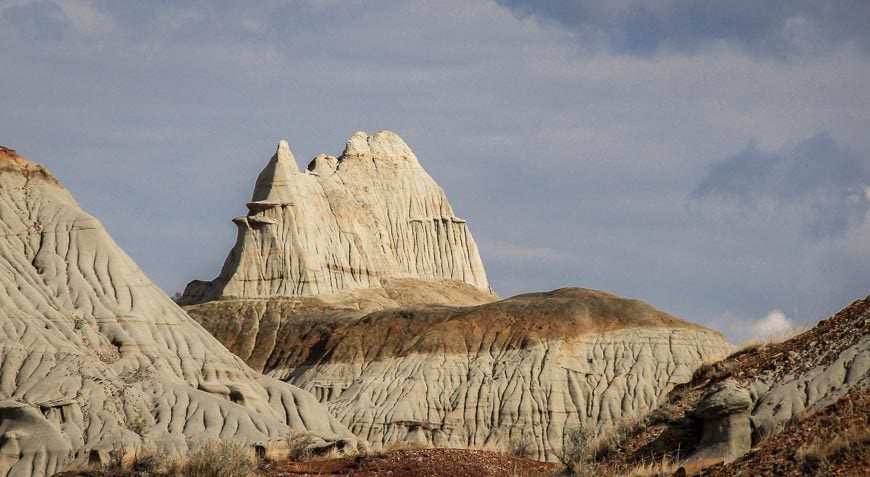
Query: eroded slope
(92,353)
(736,404)
(516,370)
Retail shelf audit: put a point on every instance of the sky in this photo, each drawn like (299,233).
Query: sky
(709,158)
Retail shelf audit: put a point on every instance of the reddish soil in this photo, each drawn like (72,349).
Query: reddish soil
(419,462)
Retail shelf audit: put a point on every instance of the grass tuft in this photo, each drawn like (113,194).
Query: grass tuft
(221,458)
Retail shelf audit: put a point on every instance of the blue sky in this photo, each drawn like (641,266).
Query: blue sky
(711,158)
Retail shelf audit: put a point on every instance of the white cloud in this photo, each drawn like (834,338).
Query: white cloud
(740,329)
(775,324)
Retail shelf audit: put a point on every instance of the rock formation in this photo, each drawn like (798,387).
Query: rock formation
(516,371)
(344,223)
(736,408)
(804,374)
(94,356)
(354,280)
(724,409)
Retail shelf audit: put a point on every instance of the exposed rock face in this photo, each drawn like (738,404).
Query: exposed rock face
(813,370)
(518,370)
(747,400)
(92,353)
(346,280)
(724,408)
(344,223)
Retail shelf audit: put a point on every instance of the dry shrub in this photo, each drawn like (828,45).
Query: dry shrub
(665,467)
(583,445)
(299,446)
(575,443)
(611,438)
(138,424)
(221,458)
(586,468)
(715,370)
(148,460)
(816,457)
(119,453)
(404,445)
(306,446)
(521,446)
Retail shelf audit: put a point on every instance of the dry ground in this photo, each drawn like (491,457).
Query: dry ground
(419,462)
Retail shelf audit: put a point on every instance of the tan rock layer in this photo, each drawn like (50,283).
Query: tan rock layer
(344,223)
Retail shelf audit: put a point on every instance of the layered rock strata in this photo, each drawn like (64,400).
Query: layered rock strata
(94,357)
(344,223)
(517,371)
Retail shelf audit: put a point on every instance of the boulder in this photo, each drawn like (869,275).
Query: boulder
(724,409)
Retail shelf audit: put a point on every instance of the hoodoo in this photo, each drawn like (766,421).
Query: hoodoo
(344,223)
(94,358)
(356,281)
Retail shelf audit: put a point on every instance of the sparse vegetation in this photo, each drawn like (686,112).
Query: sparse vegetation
(138,424)
(399,446)
(521,446)
(816,457)
(305,446)
(575,442)
(118,453)
(221,458)
(586,444)
(666,466)
(150,461)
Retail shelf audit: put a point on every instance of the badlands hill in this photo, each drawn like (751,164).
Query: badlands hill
(369,292)
(94,356)
(817,381)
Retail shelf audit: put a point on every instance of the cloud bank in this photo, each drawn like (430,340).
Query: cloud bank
(776,28)
(820,182)
(599,145)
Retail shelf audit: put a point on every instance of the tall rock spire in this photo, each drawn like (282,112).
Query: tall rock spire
(344,223)
(274,182)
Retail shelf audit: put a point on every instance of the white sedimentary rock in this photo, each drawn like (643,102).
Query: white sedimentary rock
(93,354)
(344,223)
(516,371)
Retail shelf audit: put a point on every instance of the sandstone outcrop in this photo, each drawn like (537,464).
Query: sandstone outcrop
(94,356)
(344,223)
(520,370)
